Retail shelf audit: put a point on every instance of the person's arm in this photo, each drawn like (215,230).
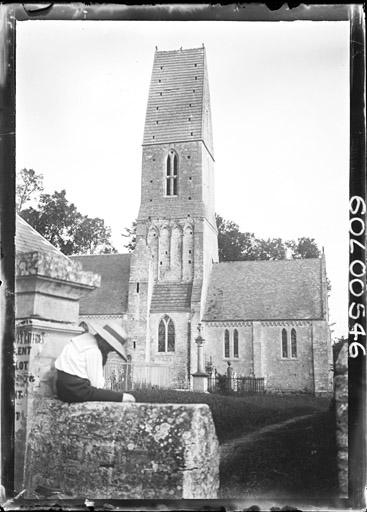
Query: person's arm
(95,368)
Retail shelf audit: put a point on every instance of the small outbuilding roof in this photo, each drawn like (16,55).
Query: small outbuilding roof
(265,290)
(27,239)
(112,296)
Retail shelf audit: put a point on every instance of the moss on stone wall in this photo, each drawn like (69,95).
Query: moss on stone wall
(108,450)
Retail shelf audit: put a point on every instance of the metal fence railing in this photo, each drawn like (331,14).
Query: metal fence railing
(224,384)
(127,376)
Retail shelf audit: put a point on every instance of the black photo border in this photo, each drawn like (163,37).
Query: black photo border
(10,13)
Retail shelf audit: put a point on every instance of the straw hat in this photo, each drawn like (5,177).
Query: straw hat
(113,333)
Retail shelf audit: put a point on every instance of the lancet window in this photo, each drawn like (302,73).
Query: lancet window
(289,345)
(293,343)
(284,343)
(235,343)
(166,335)
(171,174)
(226,343)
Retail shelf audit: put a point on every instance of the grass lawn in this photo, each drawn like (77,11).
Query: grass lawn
(297,461)
(234,416)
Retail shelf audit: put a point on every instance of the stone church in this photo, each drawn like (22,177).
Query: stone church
(268,319)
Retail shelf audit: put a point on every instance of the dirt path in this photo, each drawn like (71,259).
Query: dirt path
(230,448)
(292,459)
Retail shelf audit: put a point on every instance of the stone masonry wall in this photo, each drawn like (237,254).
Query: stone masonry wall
(154,202)
(260,353)
(177,359)
(105,450)
(140,286)
(341,405)
(287,374)
(322,357)
(208,186)
(214,347)
(209,256)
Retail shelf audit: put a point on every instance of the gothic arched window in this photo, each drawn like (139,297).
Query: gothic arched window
(284,343)
(235,343)
(166,335)
(293,343)
(226,343)
(171,174)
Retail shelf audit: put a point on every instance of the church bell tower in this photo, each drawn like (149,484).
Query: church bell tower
(176,228)
(177,189)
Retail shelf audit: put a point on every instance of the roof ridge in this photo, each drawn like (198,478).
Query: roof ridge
(180,49)
(107,254)
(168,283)
(268,261)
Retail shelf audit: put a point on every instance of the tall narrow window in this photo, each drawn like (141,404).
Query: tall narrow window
(226,343)
(170,336)
(284,343)
(166,335)
(162,336)
(168,179)
(175,175)
(293,343)
(171,174)
(235,343)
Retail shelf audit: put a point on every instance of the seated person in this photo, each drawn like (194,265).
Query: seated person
(80,365)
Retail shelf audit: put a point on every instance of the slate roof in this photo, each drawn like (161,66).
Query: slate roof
(171,297)
(112,296)
(265,290)
(179,101)
(28,239)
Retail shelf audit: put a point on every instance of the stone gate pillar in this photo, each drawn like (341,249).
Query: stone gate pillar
(48,288)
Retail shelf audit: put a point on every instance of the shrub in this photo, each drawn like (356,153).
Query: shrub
(222,383)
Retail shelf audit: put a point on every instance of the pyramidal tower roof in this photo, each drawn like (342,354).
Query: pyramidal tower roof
(179,103)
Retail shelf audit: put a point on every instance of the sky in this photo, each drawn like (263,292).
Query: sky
(280,112)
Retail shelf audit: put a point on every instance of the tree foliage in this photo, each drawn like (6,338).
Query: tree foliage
(60,222)
(304,248)
(130,234)
(29,185)
(233,245)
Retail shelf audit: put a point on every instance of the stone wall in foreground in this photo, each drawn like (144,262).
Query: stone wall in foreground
(106,450)
(341,405)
